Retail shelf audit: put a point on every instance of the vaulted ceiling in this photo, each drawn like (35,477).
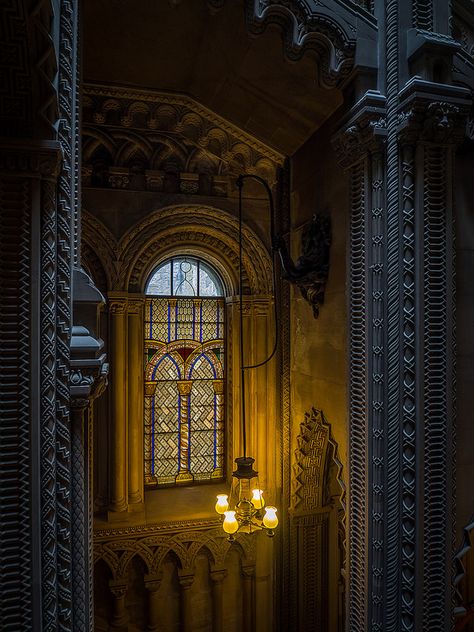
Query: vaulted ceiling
(183,46)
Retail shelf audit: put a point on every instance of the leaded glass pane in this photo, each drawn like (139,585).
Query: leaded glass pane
(184,276)
(160,282)
(184,375)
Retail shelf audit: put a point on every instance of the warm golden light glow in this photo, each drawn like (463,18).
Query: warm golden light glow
(257,498)
(270,519)
(230,524)
(222,504)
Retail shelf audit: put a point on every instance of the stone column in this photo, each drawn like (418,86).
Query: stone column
(217,577)
(186,581)
(401,355)
(135,403)
(118,398)
(248,579)
(152,585)
(184,475)
(119,621)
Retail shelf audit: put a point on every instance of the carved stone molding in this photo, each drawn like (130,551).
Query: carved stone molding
(304,28)
(193,228)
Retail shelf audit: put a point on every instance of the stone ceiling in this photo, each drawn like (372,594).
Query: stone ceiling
(183,46)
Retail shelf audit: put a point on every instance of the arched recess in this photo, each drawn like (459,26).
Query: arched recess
(194,229)
(212,234)
(317,524)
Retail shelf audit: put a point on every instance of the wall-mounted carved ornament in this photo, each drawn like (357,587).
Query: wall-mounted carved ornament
(310,272)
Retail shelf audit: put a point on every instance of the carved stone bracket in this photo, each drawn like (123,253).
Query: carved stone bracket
(310,272)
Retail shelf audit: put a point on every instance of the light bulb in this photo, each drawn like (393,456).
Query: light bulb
(257,498)
(230,524)
(222,505)
(270,519)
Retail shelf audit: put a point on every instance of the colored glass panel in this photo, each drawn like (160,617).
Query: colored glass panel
(184,369)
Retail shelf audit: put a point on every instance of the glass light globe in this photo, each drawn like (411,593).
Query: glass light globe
(222,504)
(270,519)
(257,498)
(230,524)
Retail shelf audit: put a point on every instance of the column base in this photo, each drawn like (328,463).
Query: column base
(117,516)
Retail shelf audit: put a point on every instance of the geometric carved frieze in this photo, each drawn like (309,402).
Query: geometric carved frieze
(155,141)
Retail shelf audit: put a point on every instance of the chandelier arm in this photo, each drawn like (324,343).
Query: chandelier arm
(241,341)
(274,242)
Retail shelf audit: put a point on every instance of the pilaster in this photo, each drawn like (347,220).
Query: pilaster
(118,482)
(135,403)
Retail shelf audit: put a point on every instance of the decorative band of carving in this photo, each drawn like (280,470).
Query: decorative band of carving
(305,29)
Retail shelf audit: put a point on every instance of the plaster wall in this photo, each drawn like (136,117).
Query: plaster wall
(318,346)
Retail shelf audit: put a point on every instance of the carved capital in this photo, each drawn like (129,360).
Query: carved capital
(186,579)
(430,117)
(118,307)
(118,588)
(248,571)
(135,305)
(152,582)
(364,132)
(218,575)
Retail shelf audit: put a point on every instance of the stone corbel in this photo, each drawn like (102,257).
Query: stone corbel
(310,272)
(88,367)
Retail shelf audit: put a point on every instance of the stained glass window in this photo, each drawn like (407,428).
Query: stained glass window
(184,373)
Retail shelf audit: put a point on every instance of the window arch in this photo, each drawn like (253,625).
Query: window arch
(184,373)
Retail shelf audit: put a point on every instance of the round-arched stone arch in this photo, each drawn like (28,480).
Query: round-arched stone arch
(195,230)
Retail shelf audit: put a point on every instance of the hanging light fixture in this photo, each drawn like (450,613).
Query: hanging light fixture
(244,509)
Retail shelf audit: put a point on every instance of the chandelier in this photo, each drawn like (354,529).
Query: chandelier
(244,509)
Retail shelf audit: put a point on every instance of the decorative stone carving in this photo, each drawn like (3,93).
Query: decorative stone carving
(310,272)
(138,150)
(305,27)
(317,471)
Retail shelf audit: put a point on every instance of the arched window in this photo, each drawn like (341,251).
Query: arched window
(184,373)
